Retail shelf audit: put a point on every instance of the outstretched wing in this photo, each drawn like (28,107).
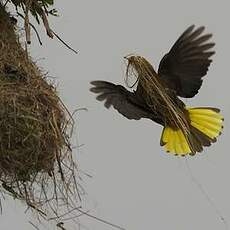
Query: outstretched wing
(187,62)
(121,99)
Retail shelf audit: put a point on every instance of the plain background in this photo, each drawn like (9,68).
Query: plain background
(135,183)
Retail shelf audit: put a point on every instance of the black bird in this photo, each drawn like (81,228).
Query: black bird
(186,130)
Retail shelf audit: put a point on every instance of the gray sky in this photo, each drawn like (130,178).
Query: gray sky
(135,183)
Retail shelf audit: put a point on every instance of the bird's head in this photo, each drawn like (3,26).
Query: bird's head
(139,65)
(139,68)
(147,78)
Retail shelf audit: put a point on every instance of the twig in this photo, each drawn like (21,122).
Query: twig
(60,225)
(34,225)
(0,206)
(58,37)
(33,27)
(46,24)
(63,215)
(26,22)
(101,220)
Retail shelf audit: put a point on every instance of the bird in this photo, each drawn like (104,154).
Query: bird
(158,95)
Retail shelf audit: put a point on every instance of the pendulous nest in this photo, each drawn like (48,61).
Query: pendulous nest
(32,125)
(36,162)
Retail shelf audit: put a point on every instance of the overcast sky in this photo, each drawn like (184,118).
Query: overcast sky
(135,183)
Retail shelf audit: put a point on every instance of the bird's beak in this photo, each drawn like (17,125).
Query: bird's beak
(127,57)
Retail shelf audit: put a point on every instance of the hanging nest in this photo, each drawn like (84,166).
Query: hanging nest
(36,164)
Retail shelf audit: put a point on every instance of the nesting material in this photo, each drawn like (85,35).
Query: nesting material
(36,164)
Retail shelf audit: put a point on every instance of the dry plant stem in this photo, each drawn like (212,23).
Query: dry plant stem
(46,24)
(61,40)
(33,27)
(26,22)
(36,227)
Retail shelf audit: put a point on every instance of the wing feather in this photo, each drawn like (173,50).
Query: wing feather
(183,67)
(121,99)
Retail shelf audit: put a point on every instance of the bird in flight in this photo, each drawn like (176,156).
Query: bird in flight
(156,96)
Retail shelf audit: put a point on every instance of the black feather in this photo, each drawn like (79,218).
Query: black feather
(187,62)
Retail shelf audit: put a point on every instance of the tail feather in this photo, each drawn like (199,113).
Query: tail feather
(174,141)
(207,119)
(204,129)
(203,139)
(206,125)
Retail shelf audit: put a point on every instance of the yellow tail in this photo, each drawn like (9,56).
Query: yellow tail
(206,125)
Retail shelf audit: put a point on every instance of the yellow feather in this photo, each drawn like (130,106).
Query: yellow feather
(175,141)
(166,147)
(171,140)
(206,120)
(170,147)
(213,120)
(212,127)
(184,144)
(203,129)
(207,112)
(165,135)
(179,149)
(180,139)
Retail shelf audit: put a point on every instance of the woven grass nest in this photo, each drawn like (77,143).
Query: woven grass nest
(32,123)
(36,162)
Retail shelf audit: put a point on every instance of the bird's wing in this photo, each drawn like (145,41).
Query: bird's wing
(120,98)
(187,62)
